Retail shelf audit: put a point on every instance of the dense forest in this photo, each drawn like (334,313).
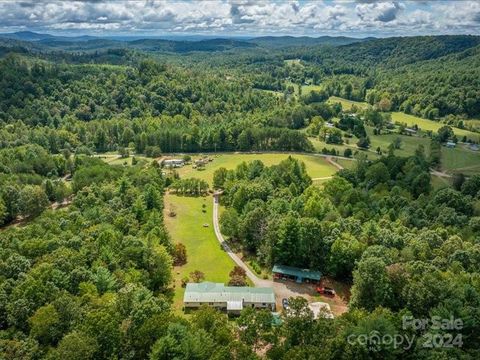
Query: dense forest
(409,250)
(86,261)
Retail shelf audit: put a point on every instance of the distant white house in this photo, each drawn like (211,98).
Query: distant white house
(173,163)
(450,144)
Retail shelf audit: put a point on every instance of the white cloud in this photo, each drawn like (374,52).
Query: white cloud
(231,17)
(379,11)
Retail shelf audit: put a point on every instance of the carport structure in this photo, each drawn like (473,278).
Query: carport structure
(296,274)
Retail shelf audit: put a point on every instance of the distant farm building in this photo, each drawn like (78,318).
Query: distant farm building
(232,299)
(296,274)
(410,131)
(450,144)
(173,163)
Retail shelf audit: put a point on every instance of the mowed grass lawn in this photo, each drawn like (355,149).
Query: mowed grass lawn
(347,104)
(317,166)
(410,120)
(429,125)
(306,89)
(408,146)
(115,159)
(203,250)
(461,160)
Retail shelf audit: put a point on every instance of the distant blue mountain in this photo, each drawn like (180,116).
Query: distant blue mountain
(265,41)
(33,36)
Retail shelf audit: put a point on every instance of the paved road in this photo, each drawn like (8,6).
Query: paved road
(282,289)
(254,278)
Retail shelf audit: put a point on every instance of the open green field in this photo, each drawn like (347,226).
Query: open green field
(203,250)
(426,125)
(115,159)
(306,89)
(347,104)
(319,145)
(410,120)
(460,160)
(316,166)
(408,146)
(440,182)
(346,164)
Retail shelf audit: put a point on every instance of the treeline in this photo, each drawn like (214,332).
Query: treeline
(432,77)
(92,281)
(409,249)
(67,106)
(29,181)
(190,186)
(45,93)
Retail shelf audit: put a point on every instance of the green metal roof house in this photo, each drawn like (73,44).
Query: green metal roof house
(230,298)
(297,274)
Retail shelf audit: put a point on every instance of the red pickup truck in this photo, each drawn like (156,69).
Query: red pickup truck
(326,291)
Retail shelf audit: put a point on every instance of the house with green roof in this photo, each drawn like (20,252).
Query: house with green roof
(232,299)
(283,272)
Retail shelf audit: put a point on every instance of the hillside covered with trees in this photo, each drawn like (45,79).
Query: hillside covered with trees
(87,263)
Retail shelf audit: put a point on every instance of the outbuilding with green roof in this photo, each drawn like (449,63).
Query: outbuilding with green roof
(283,272)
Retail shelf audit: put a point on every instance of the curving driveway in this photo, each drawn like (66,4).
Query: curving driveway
(254,278)
(282,289)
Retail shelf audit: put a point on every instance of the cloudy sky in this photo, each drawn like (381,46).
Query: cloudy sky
(242,17)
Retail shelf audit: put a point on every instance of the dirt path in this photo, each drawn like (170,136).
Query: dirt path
(440,174)
(334,163)
(21,221)
(323,178)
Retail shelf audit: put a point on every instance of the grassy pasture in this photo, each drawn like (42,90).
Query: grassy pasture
(410,120)
(461,160)
(316,166)
(439,182)
(203,250)
(347,104)
(429,125)
(408,147)
(306,89)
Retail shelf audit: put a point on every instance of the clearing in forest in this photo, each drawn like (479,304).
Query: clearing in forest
(203,250)
(317,166)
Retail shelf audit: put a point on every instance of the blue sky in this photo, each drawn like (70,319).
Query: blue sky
(242,17)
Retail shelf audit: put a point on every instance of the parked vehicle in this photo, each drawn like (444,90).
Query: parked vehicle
(285,303)
(326,291)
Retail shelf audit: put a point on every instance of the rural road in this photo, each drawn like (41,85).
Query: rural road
(282,290)
(258,282)
(334,163)
(254,278)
